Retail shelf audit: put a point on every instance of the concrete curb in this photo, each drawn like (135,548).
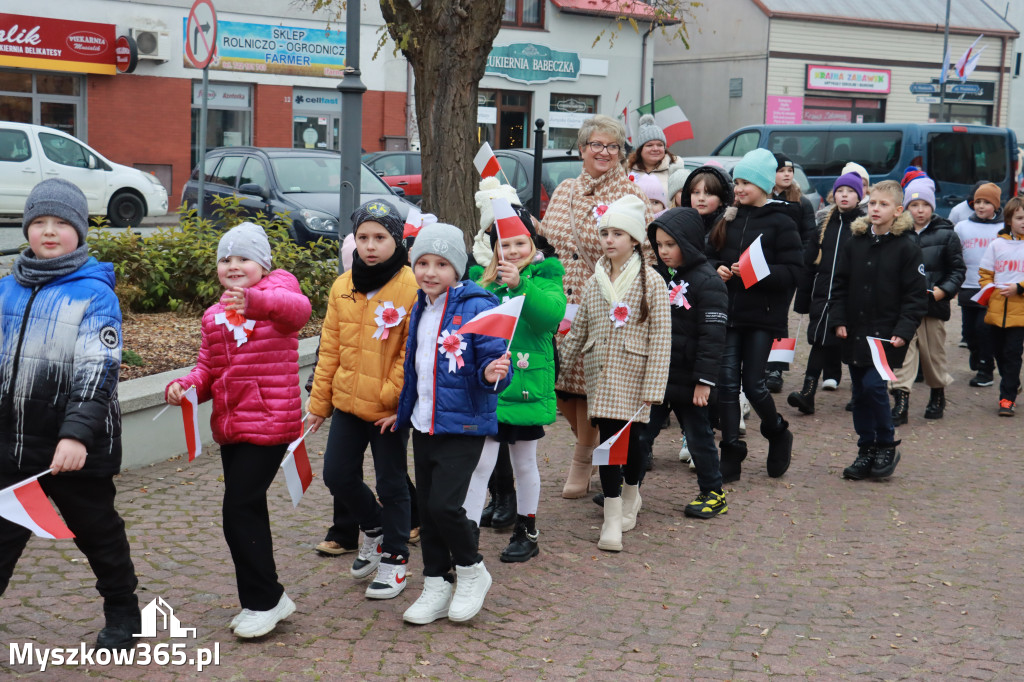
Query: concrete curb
(145,441)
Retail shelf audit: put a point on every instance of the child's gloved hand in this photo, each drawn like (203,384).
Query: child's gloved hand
(498,369)
(69,456)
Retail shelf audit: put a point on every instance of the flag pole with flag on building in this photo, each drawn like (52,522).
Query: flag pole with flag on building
(670,118)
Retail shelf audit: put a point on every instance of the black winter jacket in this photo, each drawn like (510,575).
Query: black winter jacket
(943,257)
(765,305)
(821,257)
(879,290)
(803,214)
(698,332)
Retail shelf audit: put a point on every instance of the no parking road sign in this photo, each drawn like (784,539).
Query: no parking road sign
(201,33)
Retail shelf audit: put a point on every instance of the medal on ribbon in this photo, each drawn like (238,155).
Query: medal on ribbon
(386,317)
(451,346)
(677,294)
(619,314)
(236,323)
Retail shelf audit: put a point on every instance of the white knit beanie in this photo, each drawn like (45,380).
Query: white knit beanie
(490,188)
(626,214)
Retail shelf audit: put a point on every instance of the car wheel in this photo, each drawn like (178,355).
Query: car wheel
(126,210)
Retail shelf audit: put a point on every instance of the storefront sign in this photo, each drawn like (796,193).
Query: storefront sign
(566,119)
(260,48)
(529,63)
(126,54)
(308,99)
(487,115)
(983,92)
(222,96)
(784,110)
(56,45)
(841,79)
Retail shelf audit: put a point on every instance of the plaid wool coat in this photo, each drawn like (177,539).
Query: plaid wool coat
(623,366)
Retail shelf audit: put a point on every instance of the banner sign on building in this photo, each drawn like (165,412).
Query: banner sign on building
(842,79)
(529,63)
(57,45)
(284,50)
(781,110)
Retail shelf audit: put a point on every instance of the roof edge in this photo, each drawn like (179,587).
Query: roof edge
(876,23)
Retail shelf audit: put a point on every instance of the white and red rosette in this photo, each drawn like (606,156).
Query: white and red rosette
(451,346)
(600,210)
(236,323)
(387,316)
(677,294)
(619,314)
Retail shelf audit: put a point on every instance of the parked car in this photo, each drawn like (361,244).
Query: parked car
(955,156)
(31,153)
(729,162)
(301,183)
(398,169)
(517,168)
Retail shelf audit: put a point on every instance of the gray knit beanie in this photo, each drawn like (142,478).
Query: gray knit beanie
(676,182)
(247,240)
(383,213)
(649,130)
(444,240)
(61,199)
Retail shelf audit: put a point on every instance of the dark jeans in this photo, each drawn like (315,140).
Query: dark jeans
(444,466)
(248,472)
(743,359)
(700,439)
(612,475)
(872,414)
(1008,344)
(87,505)
(343,475)
(345,530)
(827,360)
(978,335)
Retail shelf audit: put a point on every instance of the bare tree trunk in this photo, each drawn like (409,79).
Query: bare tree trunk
(447,43)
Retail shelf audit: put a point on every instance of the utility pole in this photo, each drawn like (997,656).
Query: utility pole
(351,88)
(945,70)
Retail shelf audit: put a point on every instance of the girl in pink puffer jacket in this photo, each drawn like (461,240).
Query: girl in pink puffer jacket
(248,365)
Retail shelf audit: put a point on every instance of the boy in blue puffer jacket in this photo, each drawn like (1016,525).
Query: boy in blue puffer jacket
(60,356)
(450,398)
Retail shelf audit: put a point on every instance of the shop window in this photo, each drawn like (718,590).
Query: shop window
(14,146)
(61,150)
(503,118)
(966,158)
(15,81)
(227,172)
(524,13)
(254,173)
(843,110)
(42,98)
(58,84)
(566,114)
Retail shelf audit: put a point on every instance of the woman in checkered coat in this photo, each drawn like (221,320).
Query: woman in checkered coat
(623,331)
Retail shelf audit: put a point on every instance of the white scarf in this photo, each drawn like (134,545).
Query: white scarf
(615,292)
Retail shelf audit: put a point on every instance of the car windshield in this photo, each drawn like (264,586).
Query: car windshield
(320,175)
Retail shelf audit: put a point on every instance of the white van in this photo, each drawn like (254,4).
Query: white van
(31,153)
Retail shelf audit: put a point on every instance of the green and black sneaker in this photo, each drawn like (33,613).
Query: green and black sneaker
(707,504)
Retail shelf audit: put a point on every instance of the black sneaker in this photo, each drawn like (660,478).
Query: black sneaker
(849,405)
(118,635)
(886,459)
(773,380)
(982,379)
(861,467)
(711,503)
(1006,408)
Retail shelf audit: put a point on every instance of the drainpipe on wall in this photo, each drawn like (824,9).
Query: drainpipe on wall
(643,63)
(999,92)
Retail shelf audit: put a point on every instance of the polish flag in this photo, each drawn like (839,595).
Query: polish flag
(190,421)
(878,357)
(783,350)
(615,450)
(981,298)
(506,220)
(499,321)
(570,314)
(297,472)
(485,161)
(625,123)
(753,266)
(968,60)
(25,504)
(413,223)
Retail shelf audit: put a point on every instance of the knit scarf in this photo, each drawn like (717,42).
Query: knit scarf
(31,272)
(367,278)
(614,292)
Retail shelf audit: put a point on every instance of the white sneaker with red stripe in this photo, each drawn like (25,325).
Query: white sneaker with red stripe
(369,557)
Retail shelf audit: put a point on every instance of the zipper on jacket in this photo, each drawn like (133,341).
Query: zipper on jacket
(440,328)
(17,356)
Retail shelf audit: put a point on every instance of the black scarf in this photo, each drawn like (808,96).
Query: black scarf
(367,278)
(31,272)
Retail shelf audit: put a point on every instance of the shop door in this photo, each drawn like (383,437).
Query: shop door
(311,132)
(514,120)
(59,115)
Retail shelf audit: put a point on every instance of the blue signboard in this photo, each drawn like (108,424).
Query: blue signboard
(530,63)
(260,48)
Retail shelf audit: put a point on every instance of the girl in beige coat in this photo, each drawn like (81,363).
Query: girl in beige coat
(622,330)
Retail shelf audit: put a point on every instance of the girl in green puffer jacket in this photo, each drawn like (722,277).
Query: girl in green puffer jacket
(522,265)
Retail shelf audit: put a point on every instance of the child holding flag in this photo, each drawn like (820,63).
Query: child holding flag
(60,355)
(518,268)
(1003,267)
(758,254)
(449,398)
(248,365)
(623,331)
(359,376)
(878,300)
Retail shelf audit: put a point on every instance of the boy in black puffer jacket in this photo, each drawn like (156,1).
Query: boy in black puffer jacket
(944,269)
(699,302)
(879,292)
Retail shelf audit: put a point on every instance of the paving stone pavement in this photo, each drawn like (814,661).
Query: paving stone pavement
(807,576)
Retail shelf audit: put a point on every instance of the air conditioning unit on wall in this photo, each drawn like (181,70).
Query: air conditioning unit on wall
(153,45)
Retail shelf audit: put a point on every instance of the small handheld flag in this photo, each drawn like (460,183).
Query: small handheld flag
(297,472)
(753,266)
(498,321)
(413,223)
(506,220)
(190,422)
(25,504)
(982,297)
(783,350)
(878,357)
(570,314)
(615,450)
(485,161)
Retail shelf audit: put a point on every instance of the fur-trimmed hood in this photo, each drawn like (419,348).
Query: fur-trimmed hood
(903,224)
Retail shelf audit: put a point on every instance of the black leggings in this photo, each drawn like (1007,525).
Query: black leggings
(743,360)
(825,358)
